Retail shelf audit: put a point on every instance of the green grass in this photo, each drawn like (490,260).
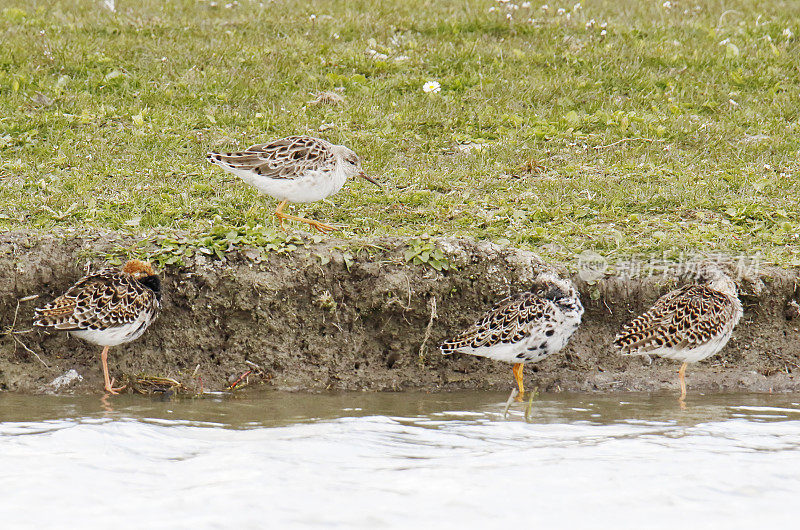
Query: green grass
(130,102)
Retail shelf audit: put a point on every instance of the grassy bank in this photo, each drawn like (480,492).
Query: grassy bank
(618,127)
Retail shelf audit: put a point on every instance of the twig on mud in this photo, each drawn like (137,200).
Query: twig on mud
(239,380)
(254,369)
(12,332)
(598,147)
(155,381)
(17,341)
(432,305)
(198,379)
(396,300)
(787,362)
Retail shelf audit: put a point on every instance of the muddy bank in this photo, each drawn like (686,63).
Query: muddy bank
(356,316)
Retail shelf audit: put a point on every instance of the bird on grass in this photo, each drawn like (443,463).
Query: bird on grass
(294,169)
(108,307)
(524,328)
(688,324)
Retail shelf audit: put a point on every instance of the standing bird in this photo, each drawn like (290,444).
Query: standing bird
(294,169)
(687,324)
(524,328)
(108,307)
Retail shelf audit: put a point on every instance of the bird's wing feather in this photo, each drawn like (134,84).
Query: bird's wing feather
(687,317)
(286,158)
(102,300)
(510,321)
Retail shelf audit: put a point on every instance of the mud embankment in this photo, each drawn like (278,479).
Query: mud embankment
(362,318)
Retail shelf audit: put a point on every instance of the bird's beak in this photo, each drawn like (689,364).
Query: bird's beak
(365,177)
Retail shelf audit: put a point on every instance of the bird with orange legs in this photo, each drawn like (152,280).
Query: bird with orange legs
(524,328)
(294,169)
(108,307)
(688,324)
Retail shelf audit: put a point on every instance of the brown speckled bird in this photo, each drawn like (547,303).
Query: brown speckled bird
(688,324)
(108,307)
(524,328)
(294,169)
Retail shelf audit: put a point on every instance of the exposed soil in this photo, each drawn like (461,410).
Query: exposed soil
(306,325)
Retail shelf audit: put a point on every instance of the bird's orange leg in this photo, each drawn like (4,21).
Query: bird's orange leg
(109,383)
(325,229)
(682,376)
(279,214)
(518,377)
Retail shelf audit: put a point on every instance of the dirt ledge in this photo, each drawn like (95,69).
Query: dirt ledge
(358,322)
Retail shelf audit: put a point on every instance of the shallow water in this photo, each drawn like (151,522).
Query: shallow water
(401,460)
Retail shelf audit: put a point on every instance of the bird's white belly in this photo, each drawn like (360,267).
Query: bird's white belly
(506,352)
(693,355)
(311,187)
(116,335)
(532,348)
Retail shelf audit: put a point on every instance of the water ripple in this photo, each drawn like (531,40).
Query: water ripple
(454,463)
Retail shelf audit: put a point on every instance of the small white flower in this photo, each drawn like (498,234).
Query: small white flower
(603,33)
(531,21)
(767,167)
(603,25)
(526,5)
(667,5)
(508,16)
(561,11)
(492,9)
(512,7)
(788,33)
(375,54)
(545,7)
(431,87)
(400,58)
(724,42)
(312,18)
(577,7)
(109,4)
(591,23)
(335,36)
